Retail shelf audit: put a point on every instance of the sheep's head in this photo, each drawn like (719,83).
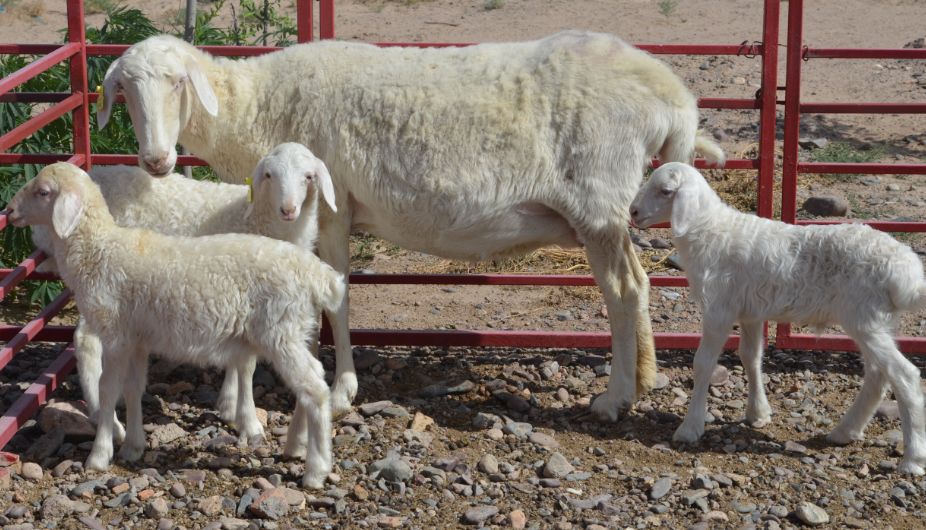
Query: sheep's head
(289,177)
(672,193)
(54,197)
(158,78)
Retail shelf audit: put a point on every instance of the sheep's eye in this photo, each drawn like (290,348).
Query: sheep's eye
(43,193)
(667,192)
(309,176)
(178,83)
(267,175)
(118,88)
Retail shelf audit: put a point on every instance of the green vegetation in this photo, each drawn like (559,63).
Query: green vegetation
(494,4)
(667,7)
(844,152)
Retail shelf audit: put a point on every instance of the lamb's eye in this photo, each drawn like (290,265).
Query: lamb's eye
(667,192)
(43,193)
(267,175)
(309,176)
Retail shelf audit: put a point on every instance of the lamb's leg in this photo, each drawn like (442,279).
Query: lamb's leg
(227,404)
(904,379)
(714,334)
(136,380)
(752,344)
(624,286)
(250,431)
(88,352)
(111,382)
(852,426)
(333,249)
(305,375)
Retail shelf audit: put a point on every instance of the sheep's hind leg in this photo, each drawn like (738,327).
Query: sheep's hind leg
(852,426)
(333,249)
(624,286)
(758,411)
(715,333)
(227,404)
(136,379)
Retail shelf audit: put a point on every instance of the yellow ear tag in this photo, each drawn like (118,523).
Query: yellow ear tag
(250,181)
(101,101)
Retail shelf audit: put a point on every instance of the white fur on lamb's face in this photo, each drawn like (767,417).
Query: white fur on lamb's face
(158,79)
(288,176)
(653,203)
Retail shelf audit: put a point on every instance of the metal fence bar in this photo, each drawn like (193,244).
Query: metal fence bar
(80,116)
(36,395)
(37,67)
(864,53)
(304,25)
(30,330)
(37,122)
(868,168)
(21,272)
(863,108)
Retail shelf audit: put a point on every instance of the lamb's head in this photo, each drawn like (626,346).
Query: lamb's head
(158,77)
(289,177)
(675,192)
(57,197)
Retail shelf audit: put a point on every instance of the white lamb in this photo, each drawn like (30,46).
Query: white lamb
(282,203)
(468,153)
(212,300)
(746,269)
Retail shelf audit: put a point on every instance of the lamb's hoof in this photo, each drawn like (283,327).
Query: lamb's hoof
(294,449)
(687,433)
(227,408)
(840,437)
(759,423)
(608,409)
(252,441)
(97,461)
(128,453)
(314,480)
(912,466)
(343,393)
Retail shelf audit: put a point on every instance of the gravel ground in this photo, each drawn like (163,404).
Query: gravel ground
(496,438)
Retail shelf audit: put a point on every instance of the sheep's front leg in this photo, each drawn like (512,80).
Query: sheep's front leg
(333,249)
(625,288)
(714,335)
(88,352)
(227,404)
(136,380)
(111,382)
(250,431)
(752,343)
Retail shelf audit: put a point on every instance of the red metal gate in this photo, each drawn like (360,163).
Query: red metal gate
(765,101)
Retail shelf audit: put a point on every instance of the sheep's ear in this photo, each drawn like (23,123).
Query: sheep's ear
(325,186)
(107,92)
(202,87)
(685,206)
(65,213)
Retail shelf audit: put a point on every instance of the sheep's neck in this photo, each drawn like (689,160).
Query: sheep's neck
(82,256)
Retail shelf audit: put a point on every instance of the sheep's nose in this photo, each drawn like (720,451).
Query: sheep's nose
(156,165)
(634,212)
(289,212)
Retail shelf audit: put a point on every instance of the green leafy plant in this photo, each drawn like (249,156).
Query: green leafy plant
(667,7)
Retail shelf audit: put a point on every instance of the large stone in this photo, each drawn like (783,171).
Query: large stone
(660,488)
(392,468)
(164,434)
(156,508)
(517,519)
(519,429)
(47,445)
(811,514)
(58,506)
(488,464)
(370,409)
(421,422)
(826,206)
(68,416)
(32,471)
(271,504)
(479,514)
(445,388)
(543,440)
(557,466)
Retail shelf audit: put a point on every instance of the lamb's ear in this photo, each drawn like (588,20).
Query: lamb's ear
(65,213)
(104,105)
(325,186)
(685,207)
(202,87)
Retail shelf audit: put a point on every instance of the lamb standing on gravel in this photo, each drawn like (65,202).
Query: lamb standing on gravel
(282,203)
(468,153)
(746,269)
(215,300)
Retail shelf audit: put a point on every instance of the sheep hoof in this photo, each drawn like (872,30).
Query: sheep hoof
(759,423)
(294,450)
(252,441)
(688,434)
(313,481)
(227,409)
(343,393)
(839,437)
(608,409)
(128,453)
(912,466)
(97,462)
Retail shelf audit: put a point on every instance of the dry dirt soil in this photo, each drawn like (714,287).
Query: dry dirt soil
(809,390)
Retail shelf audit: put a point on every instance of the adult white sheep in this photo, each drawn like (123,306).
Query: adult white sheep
(468,153)
(215,300)
(282,204)
(746,269)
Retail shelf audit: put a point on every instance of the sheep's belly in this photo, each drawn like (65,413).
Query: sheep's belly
(508,231)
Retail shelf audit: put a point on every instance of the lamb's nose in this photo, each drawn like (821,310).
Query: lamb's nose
(288,211)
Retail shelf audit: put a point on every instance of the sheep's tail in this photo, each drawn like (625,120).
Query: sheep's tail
(330,289)
(709,149)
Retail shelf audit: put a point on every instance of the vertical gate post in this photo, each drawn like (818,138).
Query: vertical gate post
(304,22)
(80,122)
(768,100)
(326,19)
(791,127)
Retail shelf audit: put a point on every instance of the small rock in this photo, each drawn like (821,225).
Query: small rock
(444,389)
(720,375)
(392,468)
(360,493)
(826,206)
(484,420)
(211,506)
(889,409)
(517,519)
(365,359)
(421,422)
(47,445)
(271,504)
(32,471)
(543,440)
(479,514)
(178,490)
(557,466)
(488,464)
(662,381)
(660,243)
(794,447)
(813,143)
(58,506)
(165,434)
(811,514)
(91,523)
(156,507)
(518,429)
(370,409)
(660,488)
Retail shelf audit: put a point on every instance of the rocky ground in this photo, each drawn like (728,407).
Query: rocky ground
(444,438)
